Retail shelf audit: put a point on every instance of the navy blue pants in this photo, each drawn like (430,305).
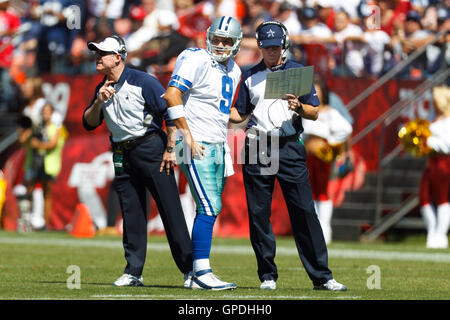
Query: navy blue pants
(288,166)
(141,171)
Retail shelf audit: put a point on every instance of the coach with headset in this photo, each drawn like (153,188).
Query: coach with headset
(274,128)
(132,105)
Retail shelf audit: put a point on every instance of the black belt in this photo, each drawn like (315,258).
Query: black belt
(131,143)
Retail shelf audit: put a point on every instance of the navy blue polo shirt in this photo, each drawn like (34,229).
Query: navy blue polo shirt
(136,108)
(270,115)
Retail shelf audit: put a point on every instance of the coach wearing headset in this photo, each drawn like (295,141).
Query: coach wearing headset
(273,129)
(132,105)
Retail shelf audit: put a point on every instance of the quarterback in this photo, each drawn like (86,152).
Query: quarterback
(199,96)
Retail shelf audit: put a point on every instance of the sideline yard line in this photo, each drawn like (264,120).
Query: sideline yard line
(234,297)
(240,249)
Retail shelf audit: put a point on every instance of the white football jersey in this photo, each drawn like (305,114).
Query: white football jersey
(209,89)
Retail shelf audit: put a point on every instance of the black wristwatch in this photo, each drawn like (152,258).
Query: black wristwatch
(169,149)
(300,110)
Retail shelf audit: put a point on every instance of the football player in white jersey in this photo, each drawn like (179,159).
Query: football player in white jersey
(199,96)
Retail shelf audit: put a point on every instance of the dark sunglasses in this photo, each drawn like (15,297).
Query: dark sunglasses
(103,53)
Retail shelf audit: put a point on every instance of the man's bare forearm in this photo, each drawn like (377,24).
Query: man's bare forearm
(92,114)
(171,136)
(309,112)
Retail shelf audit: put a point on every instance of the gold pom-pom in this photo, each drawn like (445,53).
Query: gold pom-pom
(414,136)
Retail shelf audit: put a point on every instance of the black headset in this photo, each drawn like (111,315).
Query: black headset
(122,48)
(286,40)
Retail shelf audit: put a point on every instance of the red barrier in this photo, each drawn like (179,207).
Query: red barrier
(87,169)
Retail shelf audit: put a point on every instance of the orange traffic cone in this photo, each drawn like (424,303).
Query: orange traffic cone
(82,225)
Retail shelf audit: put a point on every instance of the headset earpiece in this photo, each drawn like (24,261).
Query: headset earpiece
(122,48)
(287,40)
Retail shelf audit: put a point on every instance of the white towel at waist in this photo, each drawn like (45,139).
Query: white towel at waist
(229,171)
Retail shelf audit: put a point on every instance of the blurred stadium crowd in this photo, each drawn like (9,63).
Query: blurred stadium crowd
(353,38)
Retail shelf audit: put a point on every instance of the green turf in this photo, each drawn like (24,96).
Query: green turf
(34,265)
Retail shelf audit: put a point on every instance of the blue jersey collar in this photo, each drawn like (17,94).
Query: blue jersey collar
(124,75)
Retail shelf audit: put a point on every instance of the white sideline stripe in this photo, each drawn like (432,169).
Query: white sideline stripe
(189,297)
(240,249)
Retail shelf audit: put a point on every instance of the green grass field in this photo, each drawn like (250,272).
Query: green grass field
(35,266)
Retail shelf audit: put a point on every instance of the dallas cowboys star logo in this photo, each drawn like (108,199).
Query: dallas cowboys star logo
(270,33)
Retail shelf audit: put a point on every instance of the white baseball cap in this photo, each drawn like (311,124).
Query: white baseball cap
(109,44)
(167,18)
(325,3)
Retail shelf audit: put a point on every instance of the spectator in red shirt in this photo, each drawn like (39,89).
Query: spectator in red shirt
(194,19)
(393,14)
(9,23)
(326,12)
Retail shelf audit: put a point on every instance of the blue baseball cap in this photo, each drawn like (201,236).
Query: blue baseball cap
(270,35)
(413,15)
(308,13)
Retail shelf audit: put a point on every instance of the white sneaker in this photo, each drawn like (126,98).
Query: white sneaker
(188,279)
(431,241)
(268,285)
(127,280)
(331,285)
(441,241)
(205,279)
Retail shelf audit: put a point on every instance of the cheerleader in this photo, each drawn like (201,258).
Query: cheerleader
(324,139)
(434,186)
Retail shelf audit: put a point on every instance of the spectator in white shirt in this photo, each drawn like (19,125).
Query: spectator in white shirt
(374,41)
(343,28)
(311,26)
(313,32)
(152,9)
(139,36)
(409,39)
(286,14)
(110,9)
(347,36)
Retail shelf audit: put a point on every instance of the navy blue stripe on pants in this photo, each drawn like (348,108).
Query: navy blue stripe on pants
(141,171)
(292,176)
